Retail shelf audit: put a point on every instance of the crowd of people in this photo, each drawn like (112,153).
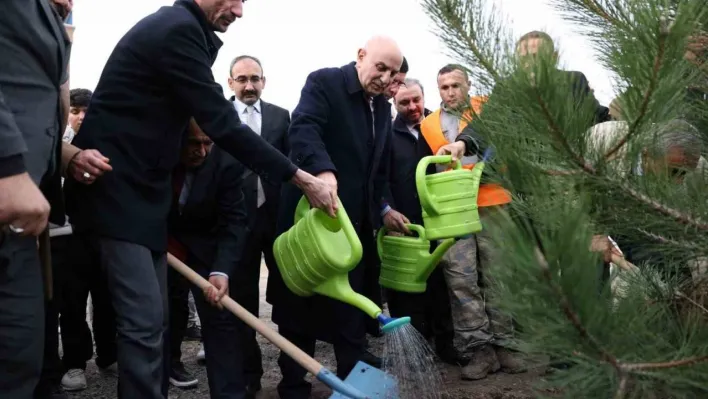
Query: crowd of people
(157,160)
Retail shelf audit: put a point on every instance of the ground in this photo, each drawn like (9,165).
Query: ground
(496,386)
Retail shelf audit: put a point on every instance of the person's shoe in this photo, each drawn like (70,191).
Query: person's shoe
(201,355)
(509,362)
(110,371)
(371,359)
(482,362)
(193,333)
(181,378)
(74,380)
(448,354)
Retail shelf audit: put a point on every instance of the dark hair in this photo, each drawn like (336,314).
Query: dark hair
(244,57)
(535,34)
(80,97)
(452,68)
(404,66)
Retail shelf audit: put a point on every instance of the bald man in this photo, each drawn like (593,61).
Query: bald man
(340,131)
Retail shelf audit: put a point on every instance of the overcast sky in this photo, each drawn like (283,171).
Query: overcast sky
(293,38)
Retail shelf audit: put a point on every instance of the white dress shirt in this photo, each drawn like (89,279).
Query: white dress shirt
(252,116)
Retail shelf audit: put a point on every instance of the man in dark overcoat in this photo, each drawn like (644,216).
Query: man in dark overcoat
(159,75)
(340,131)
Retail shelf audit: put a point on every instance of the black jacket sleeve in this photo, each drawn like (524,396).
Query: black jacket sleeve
(186,63)
(232,225)
(12,143)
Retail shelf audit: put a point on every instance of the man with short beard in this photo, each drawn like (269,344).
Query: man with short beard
(482,333)
(262,199)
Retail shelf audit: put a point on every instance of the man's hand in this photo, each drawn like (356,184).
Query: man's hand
(456,149)
(220,288)
(87,165)
(602,244)
(321,194)
(22,205)
(396,221)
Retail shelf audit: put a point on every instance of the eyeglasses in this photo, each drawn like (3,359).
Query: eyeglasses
(253,79)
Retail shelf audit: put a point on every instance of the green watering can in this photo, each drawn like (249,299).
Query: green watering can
(316,255)
(406,262)
(449,199)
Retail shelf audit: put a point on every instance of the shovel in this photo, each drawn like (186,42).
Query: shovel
(363,382)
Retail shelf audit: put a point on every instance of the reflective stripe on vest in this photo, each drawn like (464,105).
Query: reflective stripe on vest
(431,128)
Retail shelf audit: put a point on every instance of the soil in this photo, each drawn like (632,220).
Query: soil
(495,386)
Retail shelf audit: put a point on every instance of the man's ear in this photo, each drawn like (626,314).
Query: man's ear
(264,81)
(230,82)
(360,55)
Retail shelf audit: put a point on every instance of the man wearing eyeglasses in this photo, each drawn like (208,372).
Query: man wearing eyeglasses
(271,122)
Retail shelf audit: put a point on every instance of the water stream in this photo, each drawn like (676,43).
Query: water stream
(411,361)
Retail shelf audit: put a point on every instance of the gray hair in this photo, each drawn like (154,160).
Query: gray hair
(244,57)
(677,133)
(409,82)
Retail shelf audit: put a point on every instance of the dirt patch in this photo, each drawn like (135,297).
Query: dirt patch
(496,386)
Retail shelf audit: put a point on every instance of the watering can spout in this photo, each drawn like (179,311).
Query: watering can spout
(437,255)
(337,287)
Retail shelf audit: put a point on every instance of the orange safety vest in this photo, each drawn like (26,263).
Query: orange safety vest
(489,194)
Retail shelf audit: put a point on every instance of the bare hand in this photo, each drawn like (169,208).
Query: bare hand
(88,165)
(22,205)
(220,288)
(321,193)
(456,150)
(602,244)
(396,221)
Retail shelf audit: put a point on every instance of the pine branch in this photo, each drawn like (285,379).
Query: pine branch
(570,314)
(663,34)
(560,137)
(664,365)
(595,8)
(662,208)
(663,240)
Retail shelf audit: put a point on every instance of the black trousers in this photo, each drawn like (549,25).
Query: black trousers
(21,316)
(80,273)
(429,311)
(52,369)
(247,281)
(222,334)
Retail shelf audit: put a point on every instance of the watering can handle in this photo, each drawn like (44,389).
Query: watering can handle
(383,230)
(303,206)
(426,202)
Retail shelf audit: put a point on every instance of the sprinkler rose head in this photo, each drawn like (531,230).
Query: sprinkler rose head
(389,324)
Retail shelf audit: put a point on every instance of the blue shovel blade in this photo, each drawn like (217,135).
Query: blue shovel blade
(374,383)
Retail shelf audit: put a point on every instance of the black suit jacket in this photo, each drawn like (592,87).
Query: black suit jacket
(274,130)
(34,53)
(158,76)
(212,222)
(401,192)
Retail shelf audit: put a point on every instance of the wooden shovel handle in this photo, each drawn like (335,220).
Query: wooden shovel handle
(306,361)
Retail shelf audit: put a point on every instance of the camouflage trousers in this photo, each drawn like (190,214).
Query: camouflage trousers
(475,321)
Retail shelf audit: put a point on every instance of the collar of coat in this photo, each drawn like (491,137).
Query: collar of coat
(213,41)
(352,79)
